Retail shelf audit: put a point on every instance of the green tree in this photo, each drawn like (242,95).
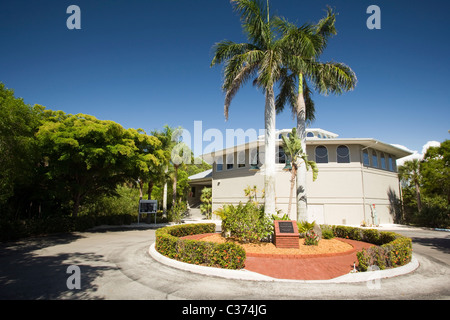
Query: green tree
(260,59)
(302,48)
(435,171)
(410,174)
(19,155)
(292,146)
(86,156)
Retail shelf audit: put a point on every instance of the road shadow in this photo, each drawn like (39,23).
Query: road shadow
(440,244)
(29,276)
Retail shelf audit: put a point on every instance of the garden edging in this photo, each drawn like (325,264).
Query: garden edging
(243,274)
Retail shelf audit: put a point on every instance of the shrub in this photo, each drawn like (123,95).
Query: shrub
(305,226)
(17,229)
(224,255)
(311,238)
(391,250)
(327,232)
(245,223)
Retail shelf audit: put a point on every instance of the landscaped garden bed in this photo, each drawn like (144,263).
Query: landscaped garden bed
(199,244)
(326,247)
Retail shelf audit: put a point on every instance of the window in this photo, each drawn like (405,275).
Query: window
(374,159)
(391,163)
(280,156)
(310,135)
(366,160)
(383,161)
(343,154)
(241,159)
(230,162)
(219,163)
(321,154)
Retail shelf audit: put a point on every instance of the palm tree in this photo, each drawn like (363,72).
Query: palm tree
(302,48)
(168,143)
(292,146)
(410,172)
(260,59)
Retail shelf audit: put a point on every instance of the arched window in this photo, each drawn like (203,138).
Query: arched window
(310,135)
(321,154)
(374,159)
(366,160)
(343,154)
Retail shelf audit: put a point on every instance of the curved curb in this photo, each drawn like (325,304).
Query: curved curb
(209,271)
(254,276)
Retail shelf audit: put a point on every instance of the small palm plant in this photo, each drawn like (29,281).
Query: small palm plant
(292,146)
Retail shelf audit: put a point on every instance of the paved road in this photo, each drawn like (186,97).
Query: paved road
(116,265)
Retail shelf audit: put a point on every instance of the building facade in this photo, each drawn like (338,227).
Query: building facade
(357,180)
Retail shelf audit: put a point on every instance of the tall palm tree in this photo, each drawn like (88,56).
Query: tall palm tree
(302,48)
(260,59)
(292,146)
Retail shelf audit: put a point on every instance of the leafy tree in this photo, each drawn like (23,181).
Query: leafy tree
(435,170)
(86,156)
(292,146)
(260,59)
(409,172)
(18,150)
(302,47)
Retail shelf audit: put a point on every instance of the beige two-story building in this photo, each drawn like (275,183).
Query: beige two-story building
(357,179)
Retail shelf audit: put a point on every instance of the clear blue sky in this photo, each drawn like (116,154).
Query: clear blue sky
(145,64)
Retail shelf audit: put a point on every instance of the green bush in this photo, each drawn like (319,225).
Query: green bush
(245,223)
(391,250)
(305,226)
(311,238)
(17,229)
(327,232)
(225,255)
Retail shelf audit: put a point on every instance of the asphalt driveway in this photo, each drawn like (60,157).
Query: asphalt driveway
(116,265)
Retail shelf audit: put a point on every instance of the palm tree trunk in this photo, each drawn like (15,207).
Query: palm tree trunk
(302,208)
(165,191)
(419,201)
(174,186)
(269,144)
(293,175)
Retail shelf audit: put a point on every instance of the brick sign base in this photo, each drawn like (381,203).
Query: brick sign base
(286,234)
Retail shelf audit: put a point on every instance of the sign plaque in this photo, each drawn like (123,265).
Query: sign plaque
(147,207)
(286,234)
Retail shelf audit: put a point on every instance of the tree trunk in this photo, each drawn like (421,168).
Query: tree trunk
(174,186)
(419,200)
(76,205)
(302,200)
(150,189)
(141,189)
(293,175)
(269,153)
(165,191)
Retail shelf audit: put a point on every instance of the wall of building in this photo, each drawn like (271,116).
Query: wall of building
(342,194)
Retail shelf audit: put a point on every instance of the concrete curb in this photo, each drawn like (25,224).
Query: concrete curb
(254,276)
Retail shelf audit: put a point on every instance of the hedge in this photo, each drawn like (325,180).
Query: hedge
(211,254)
(392,249)
(18,229)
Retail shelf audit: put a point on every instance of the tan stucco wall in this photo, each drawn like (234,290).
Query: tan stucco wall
(342,194)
